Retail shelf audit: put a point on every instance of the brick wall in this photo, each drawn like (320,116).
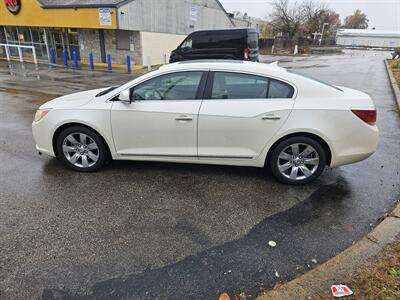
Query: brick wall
(90,42)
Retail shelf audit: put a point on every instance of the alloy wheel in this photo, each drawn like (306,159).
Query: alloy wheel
(80,150)
(298,161)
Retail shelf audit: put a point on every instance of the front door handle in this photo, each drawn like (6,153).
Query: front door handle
(183,118)
(271,117)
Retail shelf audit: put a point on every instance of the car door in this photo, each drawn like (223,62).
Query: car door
(162,118)
(240,114)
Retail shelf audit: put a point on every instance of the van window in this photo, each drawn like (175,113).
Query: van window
(202,41)
(252,41)
(219,39)
(187,44)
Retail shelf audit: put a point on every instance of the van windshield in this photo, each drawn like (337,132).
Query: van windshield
(187,44)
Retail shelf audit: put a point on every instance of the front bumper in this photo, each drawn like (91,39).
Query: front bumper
(43,136)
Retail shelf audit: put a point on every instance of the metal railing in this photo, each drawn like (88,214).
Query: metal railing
(19,48)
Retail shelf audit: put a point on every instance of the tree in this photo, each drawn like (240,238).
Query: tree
(358,20)
(316,15)
(287,19)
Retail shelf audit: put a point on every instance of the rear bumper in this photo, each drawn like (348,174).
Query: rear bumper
(357,148)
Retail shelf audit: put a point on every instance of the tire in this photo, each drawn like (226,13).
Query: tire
(81,149)
(297,167)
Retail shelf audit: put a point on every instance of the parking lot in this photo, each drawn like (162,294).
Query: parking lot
(168,231)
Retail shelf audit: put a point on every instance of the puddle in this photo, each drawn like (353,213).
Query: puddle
(37,98)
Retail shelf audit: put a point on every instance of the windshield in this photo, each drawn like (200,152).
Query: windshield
(105,92)
(315,79)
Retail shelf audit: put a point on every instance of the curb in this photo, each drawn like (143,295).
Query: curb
(393,83)
(341,266)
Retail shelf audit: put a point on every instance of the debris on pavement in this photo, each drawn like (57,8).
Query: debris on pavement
(277,274)
(314,261)
(272,244)
(224,296)
(341,290)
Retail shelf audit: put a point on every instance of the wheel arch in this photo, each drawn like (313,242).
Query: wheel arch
(314,136)
(62,127)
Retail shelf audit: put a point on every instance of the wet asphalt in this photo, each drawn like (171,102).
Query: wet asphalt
(142,230)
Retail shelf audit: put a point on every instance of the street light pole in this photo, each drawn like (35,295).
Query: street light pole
(322,33)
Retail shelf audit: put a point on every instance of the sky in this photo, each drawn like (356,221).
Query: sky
(382,14)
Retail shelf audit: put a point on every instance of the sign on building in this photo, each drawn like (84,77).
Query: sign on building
(13,6)
(105,17)
(193,12)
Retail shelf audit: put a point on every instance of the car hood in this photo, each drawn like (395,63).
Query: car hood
(72,100)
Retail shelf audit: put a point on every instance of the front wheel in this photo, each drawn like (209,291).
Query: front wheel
(297,160)
(81,149)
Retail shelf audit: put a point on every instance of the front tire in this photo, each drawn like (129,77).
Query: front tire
(81,149)
(297,160)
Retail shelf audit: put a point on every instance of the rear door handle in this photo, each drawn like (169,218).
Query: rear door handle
(271,117)
(183,118)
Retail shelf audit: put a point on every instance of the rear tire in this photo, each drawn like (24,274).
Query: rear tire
(297,160)
(81,149)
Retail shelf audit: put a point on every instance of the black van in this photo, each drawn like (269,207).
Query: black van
(238,44)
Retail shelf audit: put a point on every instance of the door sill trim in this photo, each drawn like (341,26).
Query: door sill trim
(189,156)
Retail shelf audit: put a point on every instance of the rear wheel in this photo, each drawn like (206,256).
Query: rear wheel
(81,149)
(297,160)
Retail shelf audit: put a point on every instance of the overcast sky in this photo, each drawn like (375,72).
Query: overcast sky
(382,14)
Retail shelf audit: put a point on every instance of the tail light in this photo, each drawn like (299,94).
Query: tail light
(246,54)
(368,116)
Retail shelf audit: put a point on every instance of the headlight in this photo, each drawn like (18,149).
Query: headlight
(40,114)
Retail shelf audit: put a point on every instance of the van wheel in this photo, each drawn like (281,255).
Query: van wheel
(297,160)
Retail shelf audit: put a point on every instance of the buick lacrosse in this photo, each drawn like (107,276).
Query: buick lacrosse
(213,112)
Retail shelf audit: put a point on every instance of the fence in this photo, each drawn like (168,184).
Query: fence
(20,52)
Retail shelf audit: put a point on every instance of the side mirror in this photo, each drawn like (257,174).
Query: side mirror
(125,96)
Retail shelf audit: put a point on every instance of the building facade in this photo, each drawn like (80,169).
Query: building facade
(148,30)
(368,38)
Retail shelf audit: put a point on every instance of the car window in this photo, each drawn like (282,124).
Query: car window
(315,79)
(279,89)
(175,86)
(239,86)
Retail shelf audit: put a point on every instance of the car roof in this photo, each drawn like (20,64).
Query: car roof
(232,65)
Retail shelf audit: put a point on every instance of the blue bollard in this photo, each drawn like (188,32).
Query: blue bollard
(75,58)
(52,56)
(65,58)
(91,61)
(109,62)
(128,63)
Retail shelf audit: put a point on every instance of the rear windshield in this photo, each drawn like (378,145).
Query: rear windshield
(252,40)
(315,79)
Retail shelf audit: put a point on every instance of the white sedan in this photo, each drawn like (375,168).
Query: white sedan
(213,112)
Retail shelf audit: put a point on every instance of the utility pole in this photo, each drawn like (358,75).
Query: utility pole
(322,33)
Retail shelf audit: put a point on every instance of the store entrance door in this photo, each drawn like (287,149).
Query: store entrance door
(64,39)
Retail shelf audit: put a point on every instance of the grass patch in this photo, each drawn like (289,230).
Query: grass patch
(379,279)
(395,67)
